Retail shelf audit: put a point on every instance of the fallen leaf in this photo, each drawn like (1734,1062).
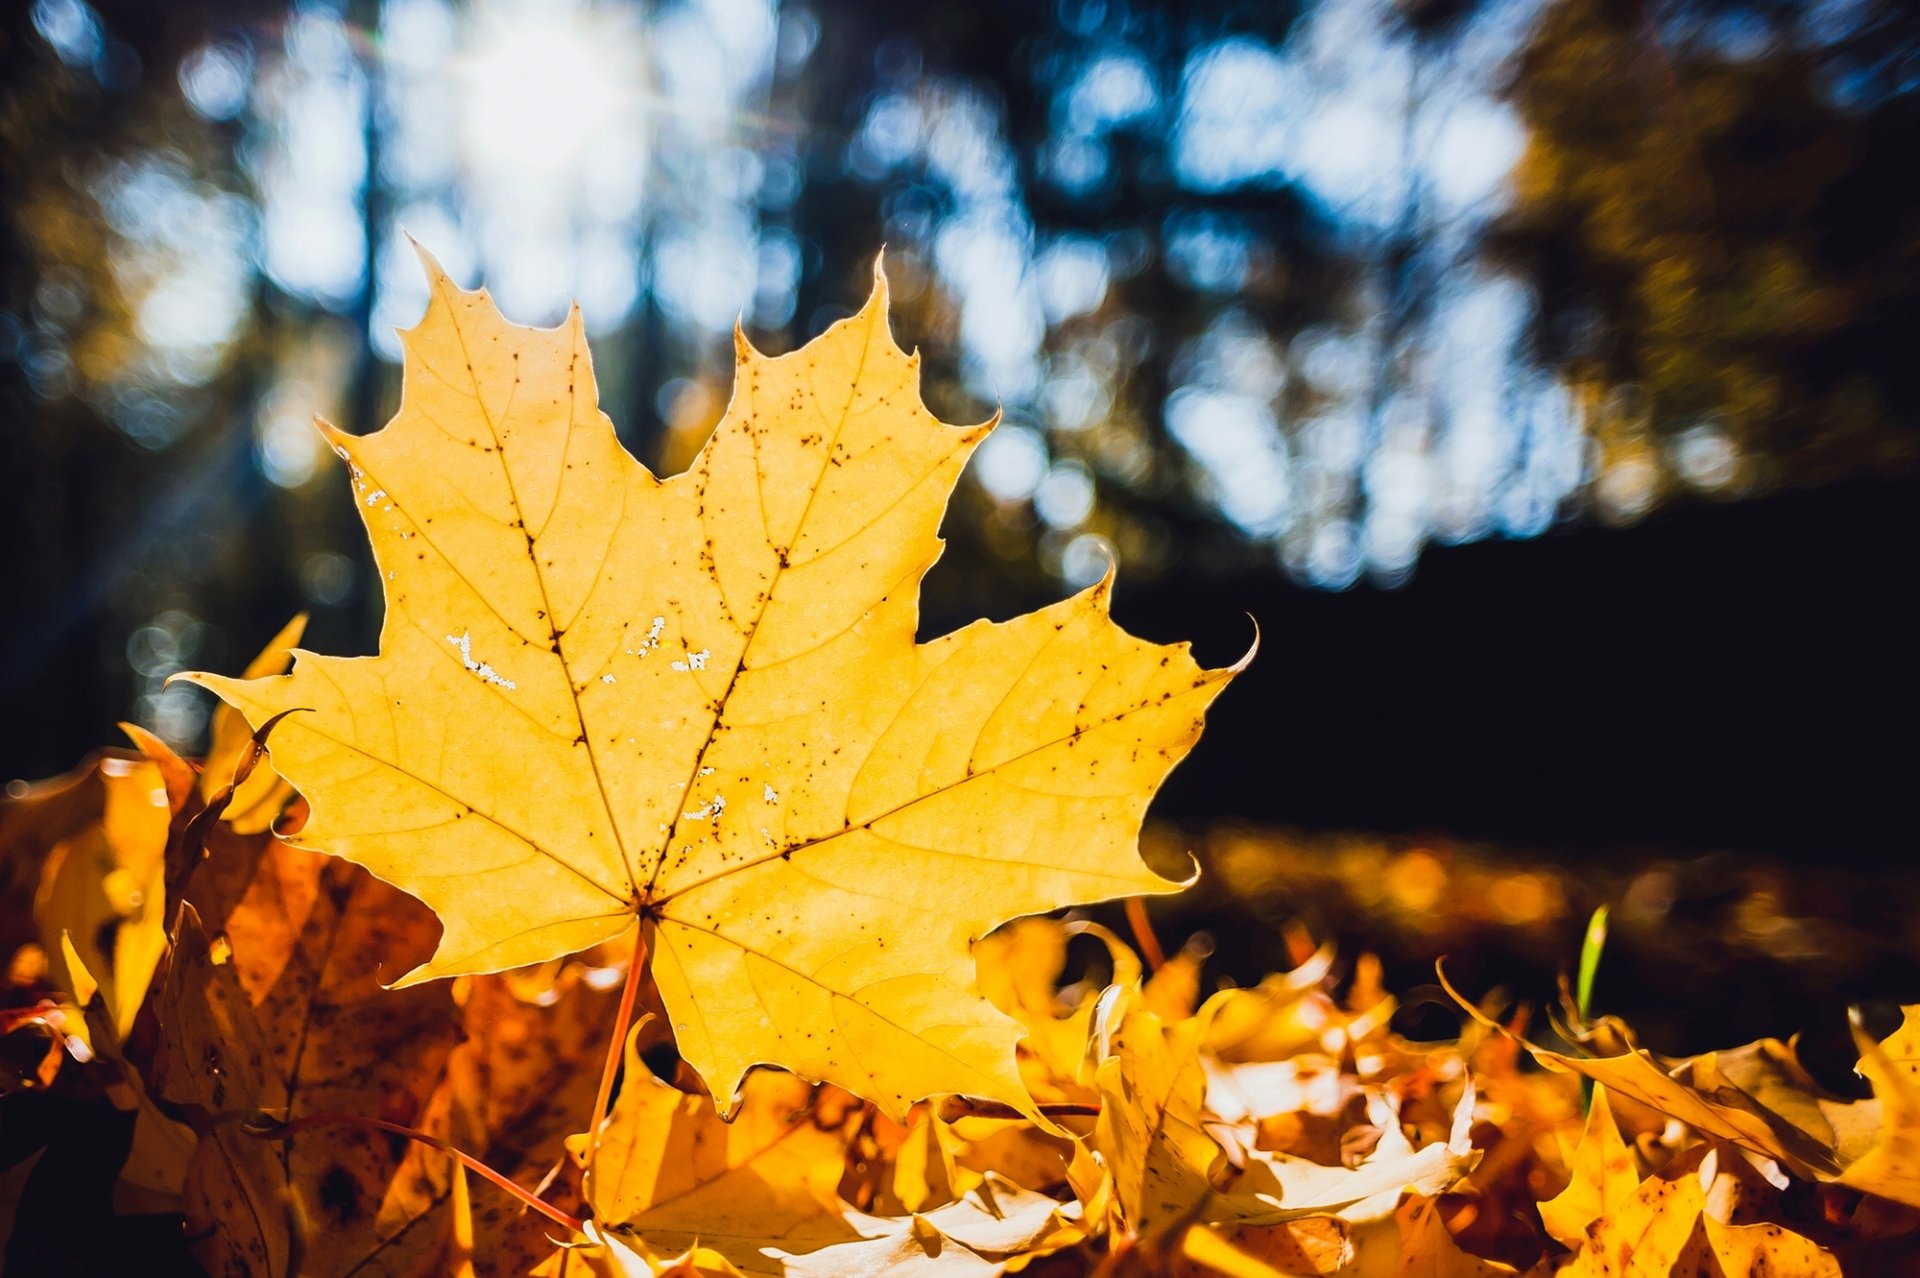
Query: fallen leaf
(1891,1167)
(103,886)
(154,1172)
(1150,1137)
(1720,1111)
(1648,1235)
(258,800)
(672,1174)
(605,1256)
(99,909)
(1273,1188)
(926,1169)
(308,1030)
(512,1091)
(1287,1012)
(1428,1248)
(1167,1170)
(214,1059)
(1603,1177)
(1316,1247)
(1766,1251)
(714,678)
(972,1238)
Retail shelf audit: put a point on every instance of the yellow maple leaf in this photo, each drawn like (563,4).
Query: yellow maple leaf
(670,1173)
(699,702)
(1648,1234)
(1603,1177)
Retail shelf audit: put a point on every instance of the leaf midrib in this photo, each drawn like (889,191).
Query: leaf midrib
(533,555)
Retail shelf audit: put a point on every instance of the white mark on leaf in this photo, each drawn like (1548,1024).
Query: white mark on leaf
(768,793)
(481,670)
(652,640)
(694,661)
(709,813)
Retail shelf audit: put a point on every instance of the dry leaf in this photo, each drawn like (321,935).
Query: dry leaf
(307,1028)
(515,1087)
(1162,1164)
(1650,1233)
(1766,1251)
(698,701)
(670,1173)
(257,801)
(972,1238)
(104,888)
(1317,1247)
(1718,1110)
(1274,1188)
(1603,1177)
(1891,1167)
(1428,1248)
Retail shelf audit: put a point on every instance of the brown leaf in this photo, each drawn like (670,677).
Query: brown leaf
(296,1011)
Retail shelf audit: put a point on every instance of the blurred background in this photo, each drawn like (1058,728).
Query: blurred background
(1537,373)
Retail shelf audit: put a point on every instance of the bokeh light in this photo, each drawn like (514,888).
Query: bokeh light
(1317,289)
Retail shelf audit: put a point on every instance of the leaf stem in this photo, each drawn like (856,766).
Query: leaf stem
(1143,934)
(617,1048)
(286,1131)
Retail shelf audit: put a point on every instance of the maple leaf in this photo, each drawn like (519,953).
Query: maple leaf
(672,1173)
(513,1091)
(699,702)
(1603,1177)
(1648,1234)
(273,1003)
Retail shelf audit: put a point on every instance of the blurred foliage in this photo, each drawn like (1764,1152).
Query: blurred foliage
(1726,228)
(1300,289)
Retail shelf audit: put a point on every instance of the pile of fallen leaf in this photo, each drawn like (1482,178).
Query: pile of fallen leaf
(655,903)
